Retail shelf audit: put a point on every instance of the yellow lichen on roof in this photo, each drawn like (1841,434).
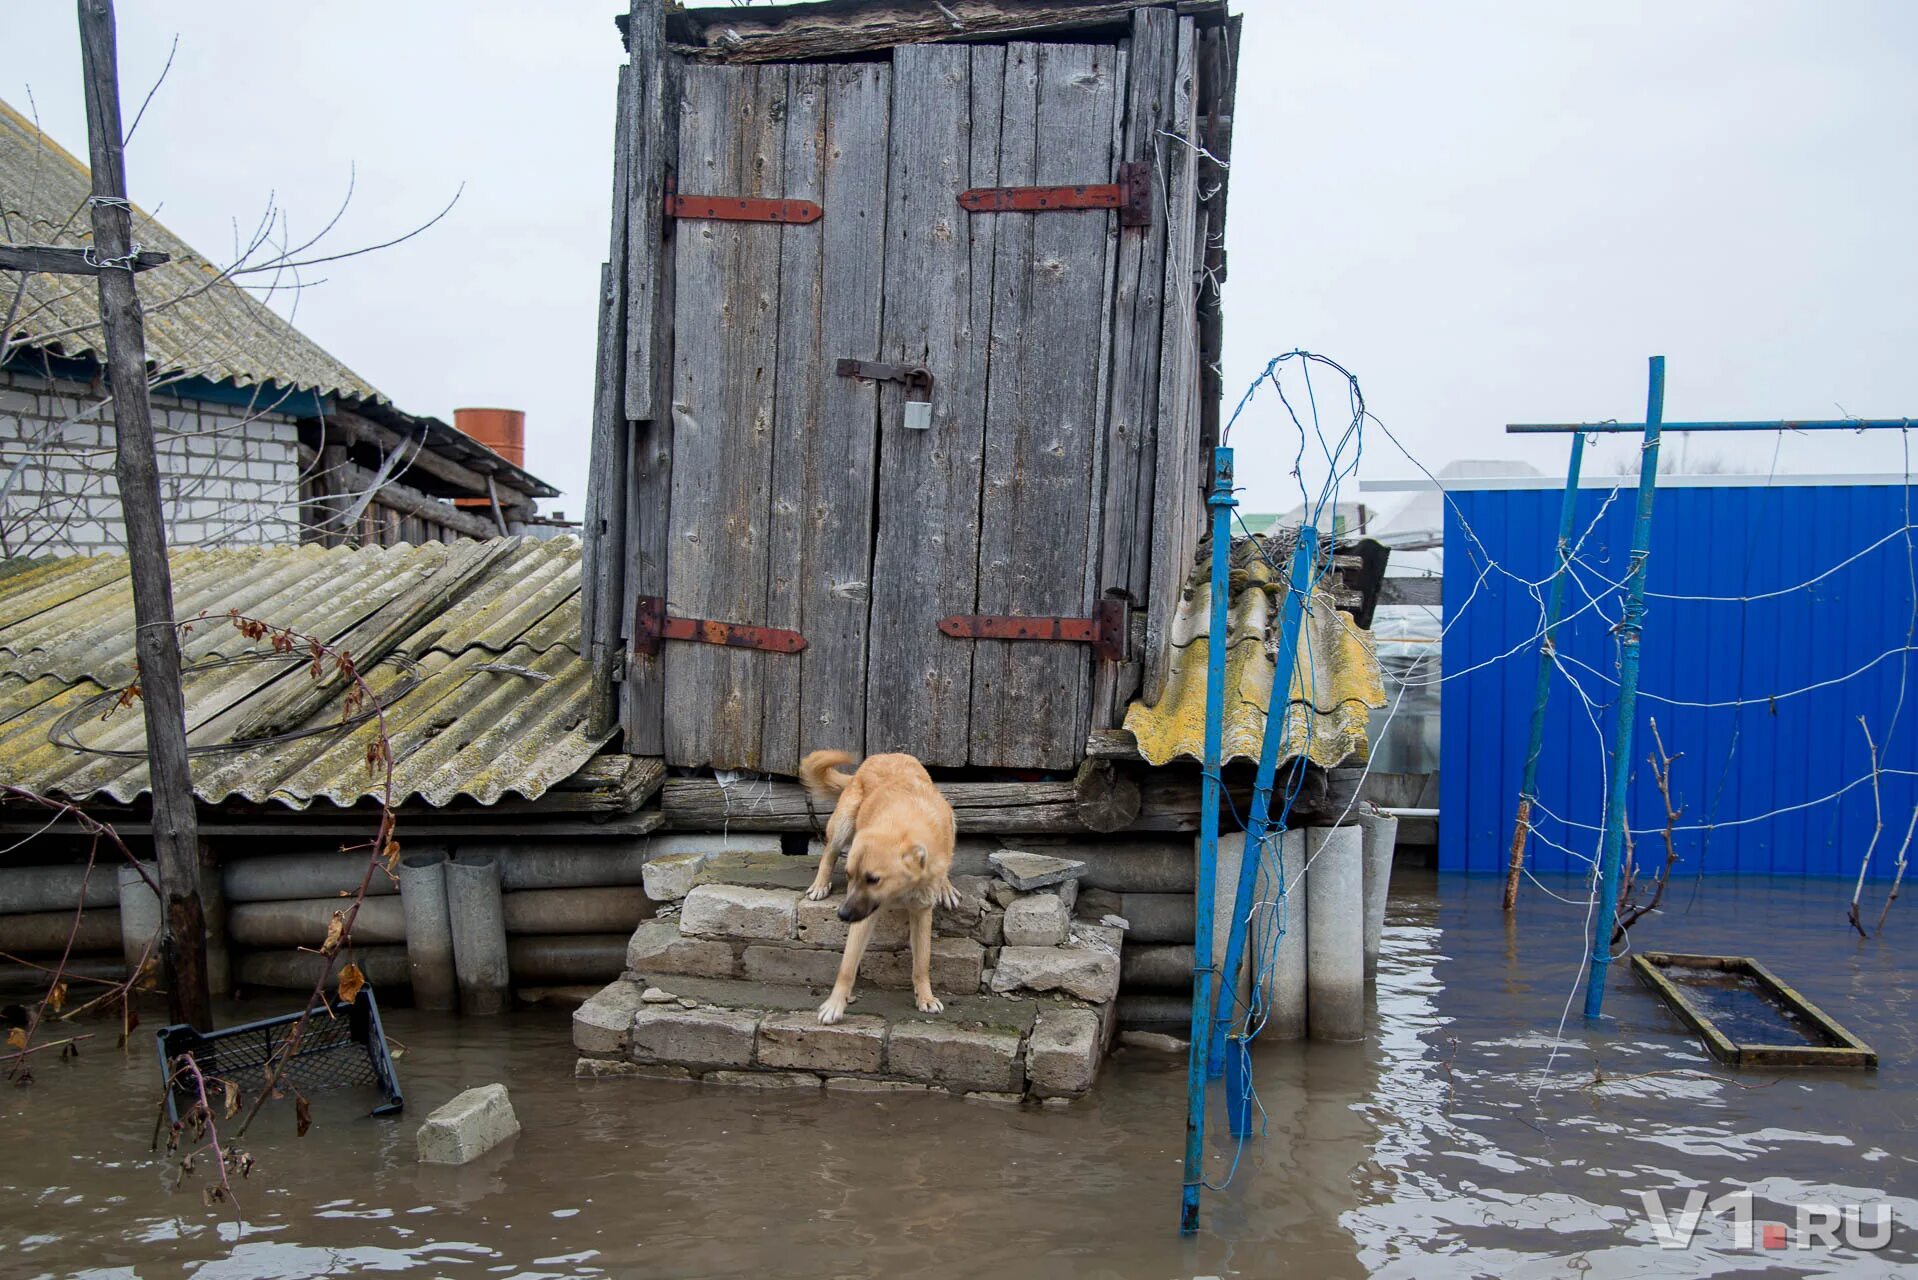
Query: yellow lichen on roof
(1335,682)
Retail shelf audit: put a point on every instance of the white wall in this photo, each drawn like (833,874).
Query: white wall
(227,476)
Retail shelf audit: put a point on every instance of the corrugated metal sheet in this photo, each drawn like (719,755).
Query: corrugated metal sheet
(197,324)
(1334,685)
(1737,763)
(500,706)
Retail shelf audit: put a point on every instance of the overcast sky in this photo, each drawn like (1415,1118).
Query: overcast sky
(1489,212)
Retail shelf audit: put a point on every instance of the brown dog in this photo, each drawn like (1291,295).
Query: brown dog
(898,832)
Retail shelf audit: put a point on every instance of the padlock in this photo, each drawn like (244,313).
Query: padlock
(918,399)
(918,415)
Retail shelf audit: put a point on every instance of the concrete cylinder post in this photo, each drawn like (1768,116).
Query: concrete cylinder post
(429,931)
(24,889)
(140,916)
(1381,836)
(1335,933)
(1285,992)
(1233,1001)
(479,933)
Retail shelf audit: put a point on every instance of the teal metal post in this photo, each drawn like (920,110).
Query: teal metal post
(1220,502)
(1542,691)
(1277,713)
(1630,627)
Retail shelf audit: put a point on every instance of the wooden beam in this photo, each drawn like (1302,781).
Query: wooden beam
(471,483)
(59,260)
(1423,591)
(348,477)
(176,840)
(415,825)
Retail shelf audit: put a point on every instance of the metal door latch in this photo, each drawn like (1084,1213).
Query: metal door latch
(916,377)
(1105,629)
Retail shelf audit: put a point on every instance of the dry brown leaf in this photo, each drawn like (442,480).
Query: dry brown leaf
(57,998)
(232,1099)
(17,1038)
(334,933)
(351,980)
(302,1117)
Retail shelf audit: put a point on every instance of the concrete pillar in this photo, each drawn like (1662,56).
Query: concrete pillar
(479,933)
(1225,889)
(429,931)
(1381,836)
(281,876)
(1157,917)
(1335,933)
(1285,991)
(141,916)
(572,957)
(384,966)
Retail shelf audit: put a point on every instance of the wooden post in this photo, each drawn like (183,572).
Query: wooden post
(175,829)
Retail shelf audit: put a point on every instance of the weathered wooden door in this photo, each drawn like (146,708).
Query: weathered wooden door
(800,498)
(771,512)
(993,510)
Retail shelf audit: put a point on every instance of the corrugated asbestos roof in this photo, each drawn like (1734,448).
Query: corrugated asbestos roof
(500,704)
(1335,681)
(197,324)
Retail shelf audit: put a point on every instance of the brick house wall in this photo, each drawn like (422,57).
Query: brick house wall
(230,474)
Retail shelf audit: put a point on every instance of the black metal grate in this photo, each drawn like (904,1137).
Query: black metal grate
(342,1046)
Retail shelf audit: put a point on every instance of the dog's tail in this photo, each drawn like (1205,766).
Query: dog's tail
(824,778)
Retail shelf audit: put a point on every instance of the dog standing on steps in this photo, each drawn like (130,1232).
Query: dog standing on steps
(897,832)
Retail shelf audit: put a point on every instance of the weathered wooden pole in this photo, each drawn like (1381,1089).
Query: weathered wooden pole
(175,830)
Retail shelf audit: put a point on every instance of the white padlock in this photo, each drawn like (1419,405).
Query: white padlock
(918,415)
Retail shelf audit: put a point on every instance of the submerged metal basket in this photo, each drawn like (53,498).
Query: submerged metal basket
(342,1046)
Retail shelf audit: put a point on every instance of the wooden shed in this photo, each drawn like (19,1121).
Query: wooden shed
(908,368)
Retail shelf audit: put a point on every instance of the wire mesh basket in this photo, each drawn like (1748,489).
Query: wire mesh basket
(343,1046)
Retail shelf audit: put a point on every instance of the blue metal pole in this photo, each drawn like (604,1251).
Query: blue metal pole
(1220,502)
(1630,627)
(1779,424)
(1277,714)
(1542,690)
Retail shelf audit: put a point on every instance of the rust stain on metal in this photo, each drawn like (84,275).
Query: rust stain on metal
(1131,195)
(742,209)
(1106,628)
(651,625)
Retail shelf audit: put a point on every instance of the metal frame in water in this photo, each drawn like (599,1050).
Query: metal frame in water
(1842,1050)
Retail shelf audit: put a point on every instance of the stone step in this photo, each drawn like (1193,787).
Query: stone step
(725,1031)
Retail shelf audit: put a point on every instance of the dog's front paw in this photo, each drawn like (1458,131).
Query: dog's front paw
(929,1003)
(818,892)
(834,1009)
(946,895)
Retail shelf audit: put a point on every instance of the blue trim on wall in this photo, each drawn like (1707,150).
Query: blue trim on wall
(1736,762)
(267,397)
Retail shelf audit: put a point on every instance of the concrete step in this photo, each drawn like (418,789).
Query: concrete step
(768,1035)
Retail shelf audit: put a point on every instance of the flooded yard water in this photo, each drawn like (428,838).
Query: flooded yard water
(1440,1147)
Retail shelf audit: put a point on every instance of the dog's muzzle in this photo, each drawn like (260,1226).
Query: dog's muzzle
(853,910)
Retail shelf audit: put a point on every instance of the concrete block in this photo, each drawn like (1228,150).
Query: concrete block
(670,878)
(1028,871)
(957,1057)
(1068,891)
(954,967)
(762,1079)
(991,1099)
(740,911)
(820,925)
(857,1084)
(795,966)
(1153,1042)
(797,1040)
(1062,1054)
(601,1026)
(763,869)
(1036,920)
(1086,972)
(991,929)
(469,1126)
(694,1037)
(657,949)
(612,1068)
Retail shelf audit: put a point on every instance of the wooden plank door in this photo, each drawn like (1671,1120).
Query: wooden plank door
(996,509)
(769,522)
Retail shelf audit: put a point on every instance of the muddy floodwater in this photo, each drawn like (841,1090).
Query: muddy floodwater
(1442,1146)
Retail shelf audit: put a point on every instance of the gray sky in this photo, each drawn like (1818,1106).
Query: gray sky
(1490,212)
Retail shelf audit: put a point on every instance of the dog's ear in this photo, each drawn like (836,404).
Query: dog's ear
(919,855)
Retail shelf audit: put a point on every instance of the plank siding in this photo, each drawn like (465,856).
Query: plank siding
(1177,502)
(938,273)
(827,427)
(1125,552)
(651,132)
(1043,428)
(725,358)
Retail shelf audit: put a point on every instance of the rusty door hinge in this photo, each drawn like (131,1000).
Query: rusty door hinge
(738,209)
(651,626)
(1131,195)
(1105,629)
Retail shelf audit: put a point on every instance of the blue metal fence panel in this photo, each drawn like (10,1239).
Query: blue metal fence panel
(1840,648)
